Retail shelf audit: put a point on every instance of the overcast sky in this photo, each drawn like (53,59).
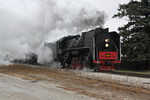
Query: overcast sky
(26,24)
(110,7)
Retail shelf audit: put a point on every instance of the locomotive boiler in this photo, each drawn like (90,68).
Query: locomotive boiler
(98,49)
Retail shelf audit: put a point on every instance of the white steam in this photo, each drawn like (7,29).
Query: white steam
(45,55)
(25,25)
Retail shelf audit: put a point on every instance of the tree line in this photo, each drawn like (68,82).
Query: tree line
(136,33)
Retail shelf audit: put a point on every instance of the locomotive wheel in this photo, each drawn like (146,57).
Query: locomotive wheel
(64,64)
(76,63)
(87,60)
(85,63)
(96,68)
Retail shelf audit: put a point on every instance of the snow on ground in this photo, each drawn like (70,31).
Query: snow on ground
(14,88)
(126,80)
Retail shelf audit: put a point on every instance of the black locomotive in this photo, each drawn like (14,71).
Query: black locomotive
(97,49)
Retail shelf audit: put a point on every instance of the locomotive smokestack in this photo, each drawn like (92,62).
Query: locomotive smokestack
(26,25)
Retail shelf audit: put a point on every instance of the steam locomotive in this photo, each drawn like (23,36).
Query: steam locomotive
(98,49)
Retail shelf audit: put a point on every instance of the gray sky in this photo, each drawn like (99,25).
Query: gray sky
(110,7)
(26,24)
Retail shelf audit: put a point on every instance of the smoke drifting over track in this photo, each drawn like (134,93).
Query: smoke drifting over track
(25,25)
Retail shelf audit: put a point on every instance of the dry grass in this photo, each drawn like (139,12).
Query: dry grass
(72,81)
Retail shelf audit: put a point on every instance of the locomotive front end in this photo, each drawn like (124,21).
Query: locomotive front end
(107,50)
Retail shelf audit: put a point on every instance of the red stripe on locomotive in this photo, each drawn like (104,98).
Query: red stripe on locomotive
(107,55)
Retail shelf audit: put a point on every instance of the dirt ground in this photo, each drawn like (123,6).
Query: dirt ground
(73,82)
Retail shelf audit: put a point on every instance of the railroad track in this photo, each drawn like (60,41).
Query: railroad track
(129,74)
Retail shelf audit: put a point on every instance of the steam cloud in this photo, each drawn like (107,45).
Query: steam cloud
(25,25)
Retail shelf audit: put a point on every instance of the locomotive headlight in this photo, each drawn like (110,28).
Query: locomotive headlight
(106,45)
(107,40)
